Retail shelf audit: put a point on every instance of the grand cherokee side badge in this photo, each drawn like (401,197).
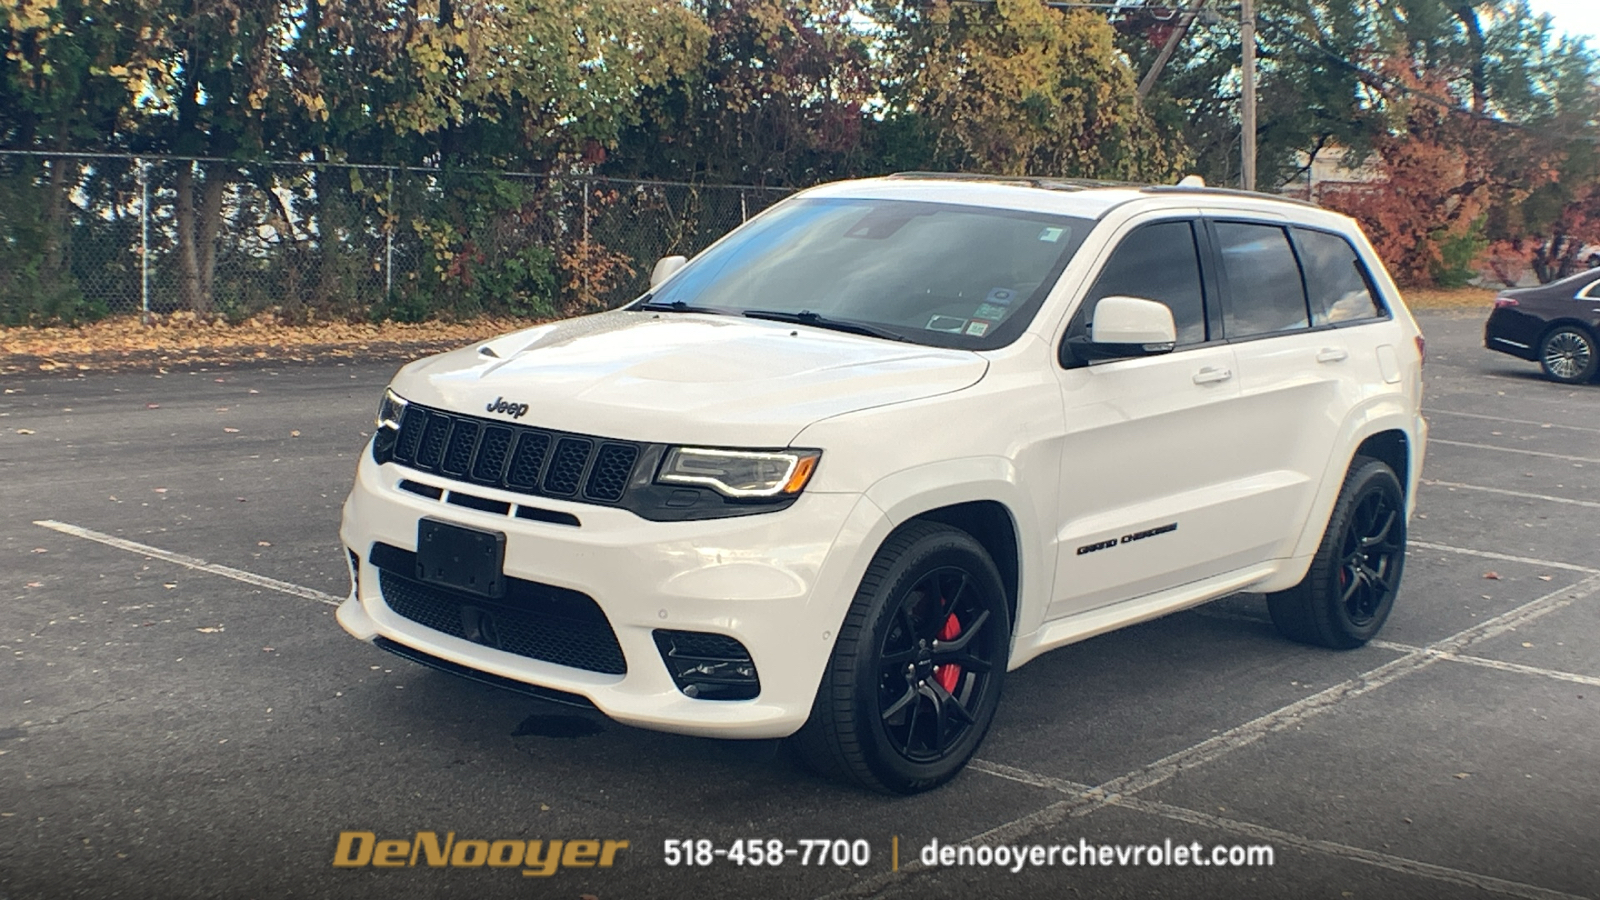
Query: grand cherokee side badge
(515,410)
(1127,538)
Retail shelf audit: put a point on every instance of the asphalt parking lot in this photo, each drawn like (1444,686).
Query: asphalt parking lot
(180,716)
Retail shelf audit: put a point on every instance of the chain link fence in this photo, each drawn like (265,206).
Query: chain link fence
(84,236)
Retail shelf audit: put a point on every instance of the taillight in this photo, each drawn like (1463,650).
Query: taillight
(1422,349)
(1503,302)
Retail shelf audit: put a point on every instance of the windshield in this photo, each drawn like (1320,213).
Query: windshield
(940,274)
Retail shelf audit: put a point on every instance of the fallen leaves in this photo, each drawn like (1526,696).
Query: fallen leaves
(25,431)
(123,343)
(231,430)
(210,629)
(1492,576)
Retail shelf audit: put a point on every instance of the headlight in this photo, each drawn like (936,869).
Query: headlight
(741,473)
(390,409)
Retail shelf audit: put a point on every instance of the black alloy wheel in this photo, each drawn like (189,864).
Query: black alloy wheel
(930,671)
(916,671)
(1349,589)
(1370,557)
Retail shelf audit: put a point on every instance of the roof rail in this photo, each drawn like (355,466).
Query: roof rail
(1224,192)
(1048,183)
(1084,184)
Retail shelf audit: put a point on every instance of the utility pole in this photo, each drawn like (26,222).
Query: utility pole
(1247,107)
(1173,40)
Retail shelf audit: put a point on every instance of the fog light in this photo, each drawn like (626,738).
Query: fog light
(708,666)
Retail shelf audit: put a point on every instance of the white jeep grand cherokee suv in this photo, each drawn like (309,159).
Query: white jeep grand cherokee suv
(890,439)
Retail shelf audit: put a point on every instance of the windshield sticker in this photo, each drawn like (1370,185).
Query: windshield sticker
(1001,296)
(946,324)
(1052,234)
(978,329)
(990,311)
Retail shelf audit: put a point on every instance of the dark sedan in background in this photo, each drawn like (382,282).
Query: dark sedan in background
(1556,325)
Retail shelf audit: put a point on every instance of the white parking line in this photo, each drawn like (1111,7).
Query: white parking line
(1504,557)
(262,581)
(1450,412)
(1081,793)
(1581,459)
(1498,665)
(1121,789)
(1523,494)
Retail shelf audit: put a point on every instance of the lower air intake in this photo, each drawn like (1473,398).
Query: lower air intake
(708,666)
(534,620)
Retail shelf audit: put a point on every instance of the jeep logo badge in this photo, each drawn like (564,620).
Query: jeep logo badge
(515,410)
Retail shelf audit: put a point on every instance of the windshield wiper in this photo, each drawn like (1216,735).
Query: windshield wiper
(674,306)
(807,317)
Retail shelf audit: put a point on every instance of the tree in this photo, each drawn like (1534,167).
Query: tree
(777,98)
(1017,87)
(1472,110)
(55,95)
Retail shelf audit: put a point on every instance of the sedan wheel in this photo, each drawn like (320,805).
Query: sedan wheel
(1568,355)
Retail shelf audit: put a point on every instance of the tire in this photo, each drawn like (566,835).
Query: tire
(1568,355)
(1347,593)
(915,676)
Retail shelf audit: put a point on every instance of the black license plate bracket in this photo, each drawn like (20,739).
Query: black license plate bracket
(464,559)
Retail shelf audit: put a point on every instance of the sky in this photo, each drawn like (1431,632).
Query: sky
(1579,18)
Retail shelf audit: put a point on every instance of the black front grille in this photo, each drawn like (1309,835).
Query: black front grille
(572,454)
(432,447)
(515,457)
(463,440)
(535,620)
(492,453)
(528,461)
(609,476)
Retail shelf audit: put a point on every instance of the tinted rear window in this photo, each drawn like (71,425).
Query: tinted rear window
(1335,279)
(1265,294)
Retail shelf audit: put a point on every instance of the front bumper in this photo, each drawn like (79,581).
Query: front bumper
(780,583)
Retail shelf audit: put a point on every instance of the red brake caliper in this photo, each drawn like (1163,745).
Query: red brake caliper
(949,674)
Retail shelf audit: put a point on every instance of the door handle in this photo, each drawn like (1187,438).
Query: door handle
(1212,375)
(1333,354)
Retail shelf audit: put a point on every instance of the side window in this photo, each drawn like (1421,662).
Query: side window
(1264,292)
(1158,262)
(1335,279)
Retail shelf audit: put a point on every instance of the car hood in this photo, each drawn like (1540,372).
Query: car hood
(683,377)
